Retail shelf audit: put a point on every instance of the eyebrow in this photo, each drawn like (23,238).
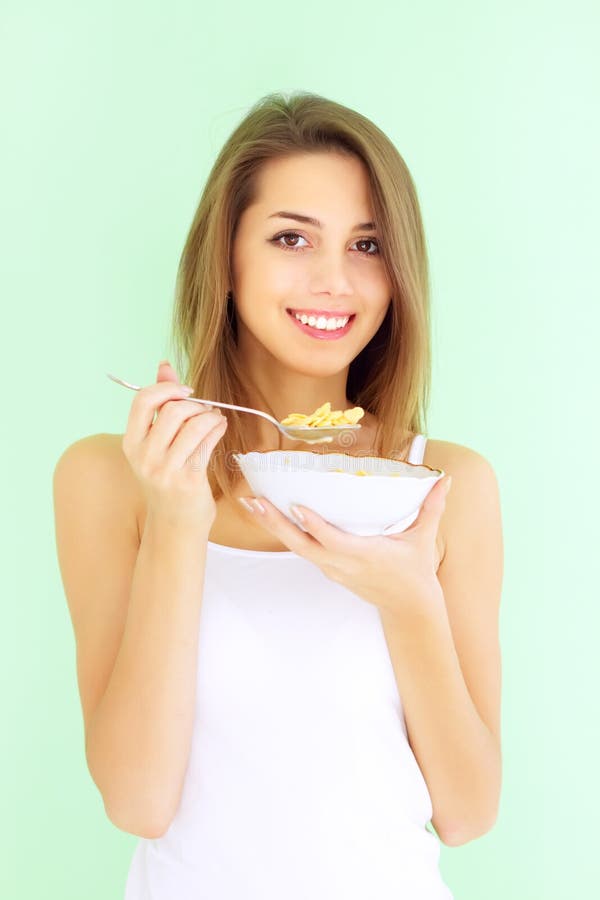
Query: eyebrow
(308,220)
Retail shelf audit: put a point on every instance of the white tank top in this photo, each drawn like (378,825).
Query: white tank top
(301,783)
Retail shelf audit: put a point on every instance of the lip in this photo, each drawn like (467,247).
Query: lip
(321,334)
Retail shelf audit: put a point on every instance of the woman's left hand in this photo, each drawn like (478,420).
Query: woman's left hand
(394,572)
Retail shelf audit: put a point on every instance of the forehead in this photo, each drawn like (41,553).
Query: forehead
(315,184)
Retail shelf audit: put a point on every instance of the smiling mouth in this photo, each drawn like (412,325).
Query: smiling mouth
(320,315)
(322,333)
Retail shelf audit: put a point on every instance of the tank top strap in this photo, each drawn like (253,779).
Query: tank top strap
(417,449)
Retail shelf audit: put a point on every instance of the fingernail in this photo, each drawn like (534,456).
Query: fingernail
(164,362)
(252,504)
(448,483)
(296,512)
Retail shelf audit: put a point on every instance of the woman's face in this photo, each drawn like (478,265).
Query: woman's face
(280,264)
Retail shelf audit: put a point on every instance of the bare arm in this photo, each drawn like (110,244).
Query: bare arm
(458,754)
(139,737)
(135,604)
(449,670)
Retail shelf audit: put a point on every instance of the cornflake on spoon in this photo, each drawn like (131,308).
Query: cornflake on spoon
(323,417)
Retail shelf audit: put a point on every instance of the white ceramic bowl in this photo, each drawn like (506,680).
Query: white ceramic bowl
(386,500)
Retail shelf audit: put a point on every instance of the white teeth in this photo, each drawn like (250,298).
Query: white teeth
(322,322)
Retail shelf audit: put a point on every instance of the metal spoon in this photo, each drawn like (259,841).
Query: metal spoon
(306,433)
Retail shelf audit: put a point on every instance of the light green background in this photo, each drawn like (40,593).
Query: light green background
(112,115)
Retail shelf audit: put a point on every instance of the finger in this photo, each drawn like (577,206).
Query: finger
(278,524)
(195,441)
(333,539)
(433,506)
(316,543)
(172,417)
(440,492)
(166,372)
(145,404)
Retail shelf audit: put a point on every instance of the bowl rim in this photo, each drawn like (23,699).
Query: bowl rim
(341,453)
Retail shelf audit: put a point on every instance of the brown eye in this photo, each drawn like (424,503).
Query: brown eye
(287,234)
(369,241)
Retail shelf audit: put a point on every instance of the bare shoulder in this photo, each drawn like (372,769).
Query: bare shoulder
(104,445)
(104,450)
(98,459)
(474,489)
(454,459)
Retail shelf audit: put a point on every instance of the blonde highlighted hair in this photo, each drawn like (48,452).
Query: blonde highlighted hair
(390,377)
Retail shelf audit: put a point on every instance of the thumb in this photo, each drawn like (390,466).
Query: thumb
(435,502)
(166,372)
(440,491)
(431,509)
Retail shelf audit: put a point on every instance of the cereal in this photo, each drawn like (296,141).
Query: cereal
(324,417)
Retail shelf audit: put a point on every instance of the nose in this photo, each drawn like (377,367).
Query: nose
(330,273)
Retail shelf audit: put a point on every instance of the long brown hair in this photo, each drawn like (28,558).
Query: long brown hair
(390,377)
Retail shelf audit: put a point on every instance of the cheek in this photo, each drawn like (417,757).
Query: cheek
(280,285)
(373,283)
(267,272)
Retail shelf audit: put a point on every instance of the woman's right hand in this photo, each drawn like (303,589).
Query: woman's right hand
(170,455)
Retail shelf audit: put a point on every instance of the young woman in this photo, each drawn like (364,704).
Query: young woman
(280,713)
